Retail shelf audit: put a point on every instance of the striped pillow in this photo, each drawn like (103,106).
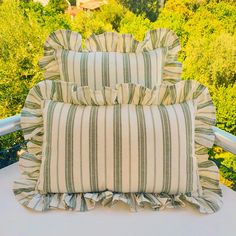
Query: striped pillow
(99,69)
(122,148)
(125,55)
(30,188)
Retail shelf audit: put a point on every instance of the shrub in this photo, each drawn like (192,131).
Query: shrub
(224,99)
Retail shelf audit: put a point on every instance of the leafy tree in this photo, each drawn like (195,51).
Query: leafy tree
(148,8)
(20,48)
(107,18)
(58,5)
(136,25)
(92,25)
(48,17)
(224,99)
(208,39)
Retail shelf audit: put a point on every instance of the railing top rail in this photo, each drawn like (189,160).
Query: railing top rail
(225,140)
(10,125)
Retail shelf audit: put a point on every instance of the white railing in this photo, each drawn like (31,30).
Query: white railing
(10,125)
(223,139)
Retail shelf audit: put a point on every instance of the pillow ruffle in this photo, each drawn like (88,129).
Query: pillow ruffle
(114,42)
(24,190)
(209,198)
(60,39)
(164,94)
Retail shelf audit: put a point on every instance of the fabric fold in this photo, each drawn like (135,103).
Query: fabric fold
(209,202)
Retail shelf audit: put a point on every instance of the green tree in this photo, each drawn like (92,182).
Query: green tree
(136,25)
(58,5)
(224,99)
(21,42)
(208,39)
(147,8)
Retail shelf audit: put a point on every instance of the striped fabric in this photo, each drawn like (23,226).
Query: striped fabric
(63,42)
(208,195)
(99,69)
(122,148)
(158,38)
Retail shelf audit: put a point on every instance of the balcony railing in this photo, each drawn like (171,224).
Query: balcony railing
(223,139)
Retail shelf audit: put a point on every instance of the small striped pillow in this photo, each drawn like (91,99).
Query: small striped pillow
(110,58)
(99,69)
(122,148)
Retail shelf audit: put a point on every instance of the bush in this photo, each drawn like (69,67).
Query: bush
(227,164)
(224,99)
(136,25)
(21,46)
(147,8)
(21,43)
(208,39)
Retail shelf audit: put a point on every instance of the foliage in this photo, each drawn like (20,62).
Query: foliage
(224,99)
(108,18)
(49,18)
(146,8)
(227,165)
(208,38)
(20,46)
(93,24)
(9,149)
(136,25)
(58,5)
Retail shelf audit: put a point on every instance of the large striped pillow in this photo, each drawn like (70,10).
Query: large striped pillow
(30,188)
(121,148)
(99,69)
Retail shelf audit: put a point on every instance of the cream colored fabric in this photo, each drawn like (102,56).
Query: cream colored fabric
(124,46)
(209,198)
(122,148)
(100,69)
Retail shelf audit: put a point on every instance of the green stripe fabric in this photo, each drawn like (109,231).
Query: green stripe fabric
(121,50)
(131,174)
(67,158)
(110,68)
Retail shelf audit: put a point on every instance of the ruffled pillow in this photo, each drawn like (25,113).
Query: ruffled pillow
(63,44)
(208,199)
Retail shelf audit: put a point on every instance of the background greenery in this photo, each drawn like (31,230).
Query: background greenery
(206,28)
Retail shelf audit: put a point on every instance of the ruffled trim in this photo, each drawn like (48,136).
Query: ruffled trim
(166,38)
(32,122)
(158,38)
(24,190)
(208,200)
(114,42)
(60,39)
(161,95)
